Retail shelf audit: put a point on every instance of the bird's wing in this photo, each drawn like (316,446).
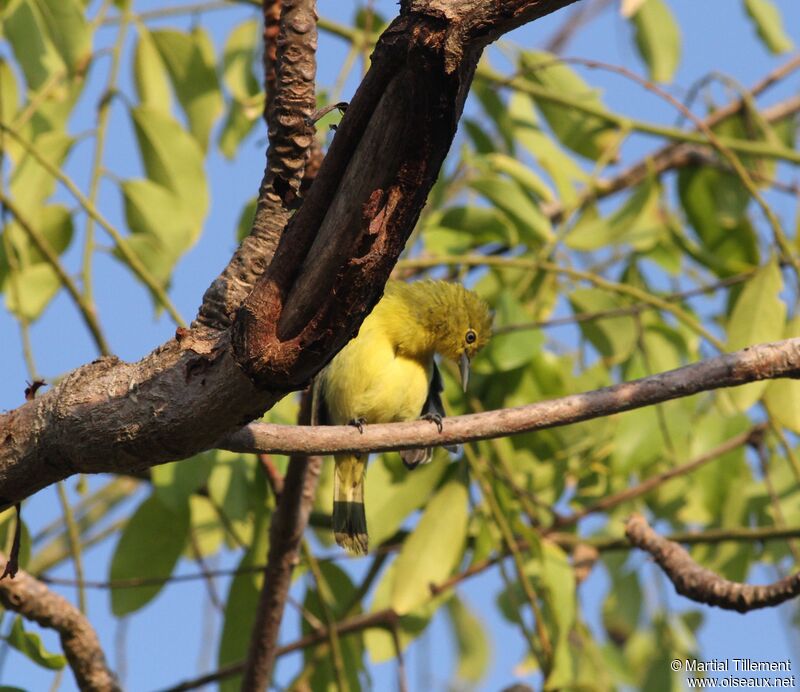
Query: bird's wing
(319,409)
(433,407)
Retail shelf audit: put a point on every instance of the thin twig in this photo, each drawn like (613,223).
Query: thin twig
(656,481)
(130,258)
(74,540)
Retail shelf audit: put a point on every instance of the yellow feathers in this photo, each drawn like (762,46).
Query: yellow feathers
(387,373)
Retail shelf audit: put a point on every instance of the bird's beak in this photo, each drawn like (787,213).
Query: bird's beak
(463,368)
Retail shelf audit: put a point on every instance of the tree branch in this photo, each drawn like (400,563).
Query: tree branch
(286,532)
(702,585)
(764,361)
(34,601)
(289,72)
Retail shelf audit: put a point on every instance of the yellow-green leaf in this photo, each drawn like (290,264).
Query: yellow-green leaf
(172,158)
(30,290)
(149,546)
(658,39)
(189,59)
(149,75)
(758,316)
(433,550)
(769,25)
(474,650)
(68,30)
(25,30)
(392,493)
(30,644)
(238,58)
(31,184)
(586,133)
(782,396)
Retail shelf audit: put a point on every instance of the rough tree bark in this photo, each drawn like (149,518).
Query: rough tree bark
(328,271)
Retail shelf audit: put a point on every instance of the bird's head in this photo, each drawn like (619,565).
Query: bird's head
(468,327)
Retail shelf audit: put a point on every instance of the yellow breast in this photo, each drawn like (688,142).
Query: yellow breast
(369,380)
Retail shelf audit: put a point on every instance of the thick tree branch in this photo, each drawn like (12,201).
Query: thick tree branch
(290,69)
(328,271)
(34,601)
(764,361)
(702,585)
(343,242)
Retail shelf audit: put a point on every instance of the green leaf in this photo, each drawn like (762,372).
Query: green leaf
(531,224)
(511,350)
(462,228)
(585,133)
(173,159)
(9,92)
(622,605)
(769,25)
(474,650)
(392,493)
(149,547)
(338,591)
(54,224)
(26,31)
(149,74)
(658,39)
(208,531)
(558,579)
(241,606)
(782,397)
(154,210)
(30,290)
(433,550)
(380,643)
(239,122)
(31,184)
(238,58)
(229,488)
(30,644)
(189,59)
(68,30)
(563,170)
(638,221)
(175,482)
(613,337)
(525,177)
(715,203)
(758,316)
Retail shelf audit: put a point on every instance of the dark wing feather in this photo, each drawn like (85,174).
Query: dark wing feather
(433,407)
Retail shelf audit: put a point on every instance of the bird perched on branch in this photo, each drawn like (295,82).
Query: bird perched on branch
(387,373)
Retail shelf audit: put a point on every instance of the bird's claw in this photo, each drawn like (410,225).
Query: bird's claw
(434,418)
(358,423)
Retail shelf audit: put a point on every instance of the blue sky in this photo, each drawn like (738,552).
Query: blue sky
(172,638)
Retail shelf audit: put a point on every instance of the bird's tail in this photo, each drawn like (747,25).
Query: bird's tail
(349,519)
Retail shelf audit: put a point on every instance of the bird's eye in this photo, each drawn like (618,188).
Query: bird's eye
(470,336)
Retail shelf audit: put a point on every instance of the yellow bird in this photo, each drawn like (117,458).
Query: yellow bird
(387,373)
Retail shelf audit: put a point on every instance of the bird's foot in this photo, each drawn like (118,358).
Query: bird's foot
(434,418)
(358,423)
